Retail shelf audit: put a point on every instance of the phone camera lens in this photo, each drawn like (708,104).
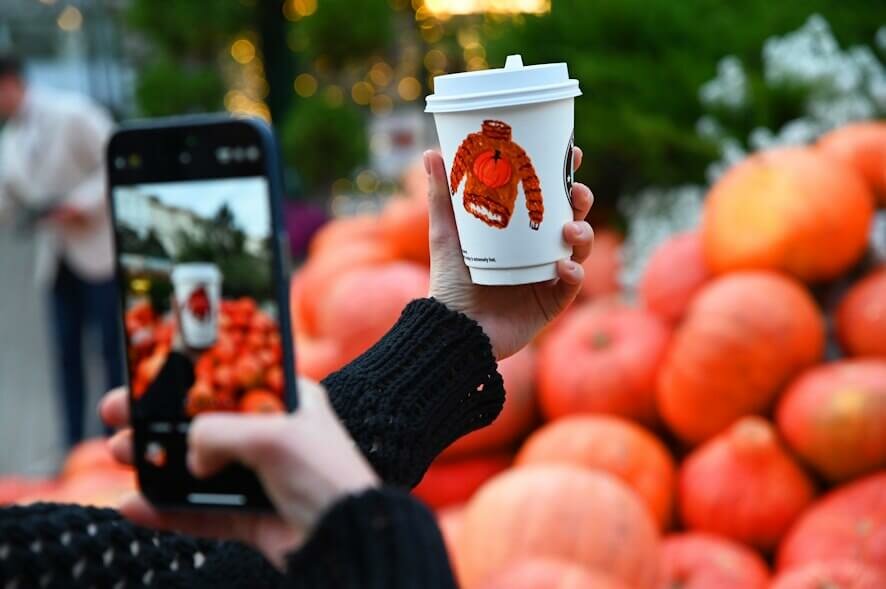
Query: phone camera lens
(119,162)
(252,153)
(184,158)
(223,154)
(238,154)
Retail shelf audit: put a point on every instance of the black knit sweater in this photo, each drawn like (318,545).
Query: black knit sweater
(430,380)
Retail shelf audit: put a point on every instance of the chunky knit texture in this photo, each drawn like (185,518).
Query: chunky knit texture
(431,379)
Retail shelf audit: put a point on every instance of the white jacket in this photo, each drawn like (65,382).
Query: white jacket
(52,152)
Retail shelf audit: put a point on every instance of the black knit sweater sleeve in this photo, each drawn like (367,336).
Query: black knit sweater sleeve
(429,381)
(379,539)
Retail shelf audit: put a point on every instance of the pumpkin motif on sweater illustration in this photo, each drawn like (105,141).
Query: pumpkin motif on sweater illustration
(494,165)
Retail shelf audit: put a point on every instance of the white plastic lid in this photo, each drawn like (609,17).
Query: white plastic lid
(196,271)
(508,86)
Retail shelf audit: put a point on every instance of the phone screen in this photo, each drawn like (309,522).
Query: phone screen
(202,310)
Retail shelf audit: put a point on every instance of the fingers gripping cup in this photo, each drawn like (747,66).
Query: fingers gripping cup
(507,137)
(197,288)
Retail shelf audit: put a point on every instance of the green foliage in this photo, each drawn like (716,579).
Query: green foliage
(323,142)
(345,31)
(641,63)
(189,27)
(167,88)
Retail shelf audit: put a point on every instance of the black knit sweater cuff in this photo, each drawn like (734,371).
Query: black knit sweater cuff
(430,380)
(379,539)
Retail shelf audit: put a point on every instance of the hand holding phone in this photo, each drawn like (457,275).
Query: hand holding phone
(305,461)
(196,209)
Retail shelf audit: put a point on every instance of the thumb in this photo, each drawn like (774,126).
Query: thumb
(442,218)
(217,439)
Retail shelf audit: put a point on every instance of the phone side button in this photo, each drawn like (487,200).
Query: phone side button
(216,499)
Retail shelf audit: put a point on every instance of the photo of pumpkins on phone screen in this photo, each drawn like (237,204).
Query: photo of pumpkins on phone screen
(198,294)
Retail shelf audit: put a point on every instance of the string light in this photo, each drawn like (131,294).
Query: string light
(298,9)
(367,181)
(334,96)
(451,7)
(409,88)
(380,74)
(477,63)
(305,85)
(381,104)
(435,61)
(243,51)
(362,92)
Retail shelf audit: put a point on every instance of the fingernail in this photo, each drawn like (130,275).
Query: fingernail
(581,229)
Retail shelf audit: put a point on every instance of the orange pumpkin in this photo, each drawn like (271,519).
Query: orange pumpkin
(517,416)
(776,209)
(603,266)
(745,336)
(674,273)
(200,399)
(849,522)
(342,231)
(862,146)
(834,418)
(404,226)
(838,574)
(311,286)
(492,169)
(99,488)
(743,485)
(451,483)
(13,488)
(365,303)
(549,573)
(602,361)
(261,401)
(87,456)
(317,358)
(589,518)
(612,445)
(696,560)
(861,317)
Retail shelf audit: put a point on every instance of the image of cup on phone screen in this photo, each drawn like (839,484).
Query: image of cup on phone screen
(203,295)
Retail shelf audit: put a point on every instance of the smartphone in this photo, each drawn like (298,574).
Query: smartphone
(199,247)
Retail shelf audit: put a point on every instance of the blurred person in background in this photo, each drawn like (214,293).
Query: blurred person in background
(52,183)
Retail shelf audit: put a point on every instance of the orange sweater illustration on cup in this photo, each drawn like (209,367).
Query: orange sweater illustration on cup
(494,166)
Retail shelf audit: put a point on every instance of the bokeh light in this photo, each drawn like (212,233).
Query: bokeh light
(361,92)
(409,88)
(243,51)
(70,19)
(305,85)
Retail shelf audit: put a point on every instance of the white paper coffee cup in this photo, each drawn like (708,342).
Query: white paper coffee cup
(197,291)
(507,137)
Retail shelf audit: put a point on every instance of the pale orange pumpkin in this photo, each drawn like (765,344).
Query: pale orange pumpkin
(548,573)
(835,574)
(602,361)
(342,231)
(777,209)
(744,485)
(674,273)
(862,146)
(317,358)
(404,226)
(517,416)
(492,169)
(849,522)
(613,445)
(745,336)
(834,418)
(861,317)
(363,304)
(553,511)
(697,560)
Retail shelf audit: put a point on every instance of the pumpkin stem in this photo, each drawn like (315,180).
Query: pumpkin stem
(600,340)
(497,155)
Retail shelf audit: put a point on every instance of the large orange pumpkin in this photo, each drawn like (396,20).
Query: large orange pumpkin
(862,146)
(13,488)
(834,417)
(311,286)
(613,445)
(674,273)
(696,560)
(602,362)
(743,485)
(317,358)
(861,317)
(450,483)
(517,416)
(849,522)
(586,517)
(838,574)
(87,456)
(365,303)
(404,226)
(777,209)
(603,266)
(342,231)
(548,573)
(745,336)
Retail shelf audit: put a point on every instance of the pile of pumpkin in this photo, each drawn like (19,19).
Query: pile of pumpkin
(696,438)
